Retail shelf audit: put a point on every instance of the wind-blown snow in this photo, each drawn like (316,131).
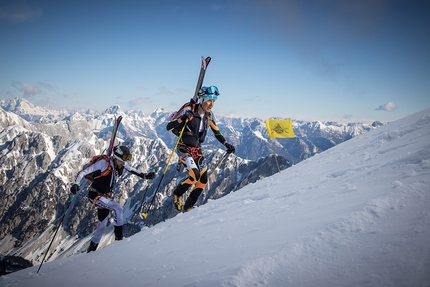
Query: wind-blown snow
(357,214)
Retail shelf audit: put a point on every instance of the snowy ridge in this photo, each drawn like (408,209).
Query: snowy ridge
(249,135)
(354,215)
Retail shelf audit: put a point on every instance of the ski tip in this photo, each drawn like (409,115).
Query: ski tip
(207,61)
(144,215)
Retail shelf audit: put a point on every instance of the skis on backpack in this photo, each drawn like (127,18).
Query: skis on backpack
(205,64)
(113,136)
(194,99)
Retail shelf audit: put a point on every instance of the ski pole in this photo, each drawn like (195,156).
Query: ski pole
(140,205)
(58,227)
(218,164)
(146,190)
(145,214)
(144,195)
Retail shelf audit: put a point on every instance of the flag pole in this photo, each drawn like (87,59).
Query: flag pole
(276,159)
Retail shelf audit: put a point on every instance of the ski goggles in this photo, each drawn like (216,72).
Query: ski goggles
(209,93)
(124,157)
(212,90)
(127,157)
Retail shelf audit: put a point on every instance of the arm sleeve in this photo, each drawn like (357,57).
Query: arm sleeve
(174,122)
(218,135)
(100,166)
(133,170)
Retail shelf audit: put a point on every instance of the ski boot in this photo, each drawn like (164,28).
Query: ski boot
(178,202)
(92,247)
(189,204)
(118,232)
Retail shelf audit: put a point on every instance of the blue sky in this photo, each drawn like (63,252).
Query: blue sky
(328,60)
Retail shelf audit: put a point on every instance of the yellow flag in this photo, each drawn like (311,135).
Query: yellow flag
(280,128)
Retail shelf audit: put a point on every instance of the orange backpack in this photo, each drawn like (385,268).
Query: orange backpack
(97,174)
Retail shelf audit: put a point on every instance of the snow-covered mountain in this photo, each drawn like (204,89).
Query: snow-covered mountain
(43,150)
(354,215)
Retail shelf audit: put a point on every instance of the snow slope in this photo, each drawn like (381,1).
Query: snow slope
(357,214)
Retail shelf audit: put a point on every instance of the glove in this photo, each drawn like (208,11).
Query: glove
(74,188)
(188,116)
(150,175)
(230,148)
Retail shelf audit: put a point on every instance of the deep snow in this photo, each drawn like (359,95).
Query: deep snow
(357,214)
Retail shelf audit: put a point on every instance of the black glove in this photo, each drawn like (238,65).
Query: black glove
(150,175)
(74,188)
(230,148)
(188,116)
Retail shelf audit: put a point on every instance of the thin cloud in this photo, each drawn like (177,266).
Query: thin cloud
(348,23)
(162,91)
(182,90)
(133,103)
(27,89)
(19,12)
(216,7)
(48,102)
(46,85)
(388,107)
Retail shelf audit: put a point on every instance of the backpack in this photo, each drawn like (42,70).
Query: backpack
(98,173)
(175,115)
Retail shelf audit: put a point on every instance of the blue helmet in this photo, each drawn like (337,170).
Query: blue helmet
(208,93)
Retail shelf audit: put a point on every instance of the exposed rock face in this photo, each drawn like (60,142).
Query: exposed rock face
(42,151)
(9,264)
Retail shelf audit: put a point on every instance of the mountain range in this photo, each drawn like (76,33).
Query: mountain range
(43,149)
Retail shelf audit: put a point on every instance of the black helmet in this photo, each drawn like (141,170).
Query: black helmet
(122,153)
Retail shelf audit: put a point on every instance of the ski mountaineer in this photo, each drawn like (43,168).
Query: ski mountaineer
(198,117)
(103,174)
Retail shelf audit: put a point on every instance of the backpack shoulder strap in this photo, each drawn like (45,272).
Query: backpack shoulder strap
(95,175)
(109,168)
(185,106)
